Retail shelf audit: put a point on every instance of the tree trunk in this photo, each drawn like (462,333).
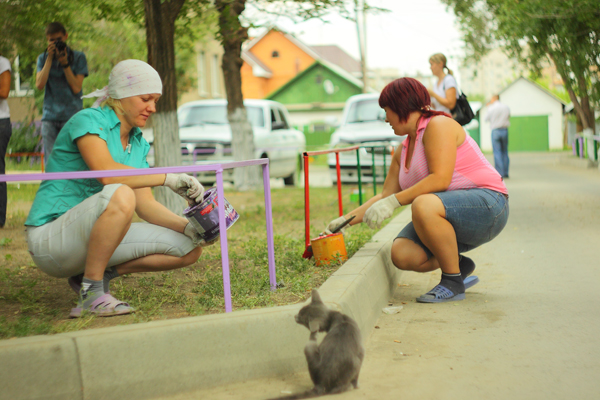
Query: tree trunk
(586,109)
(585,114)
(581,104)
(233,35)
(160,38)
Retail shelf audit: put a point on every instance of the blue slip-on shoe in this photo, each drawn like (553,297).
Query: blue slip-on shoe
(470,281)
(440,294)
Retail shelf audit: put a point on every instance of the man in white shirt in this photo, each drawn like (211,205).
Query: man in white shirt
(498,115)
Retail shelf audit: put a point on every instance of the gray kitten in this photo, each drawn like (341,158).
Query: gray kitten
(333,365)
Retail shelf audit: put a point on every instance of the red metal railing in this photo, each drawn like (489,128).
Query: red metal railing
(41,155)
(307,190)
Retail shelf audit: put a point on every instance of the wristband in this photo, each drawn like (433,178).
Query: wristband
(65,66)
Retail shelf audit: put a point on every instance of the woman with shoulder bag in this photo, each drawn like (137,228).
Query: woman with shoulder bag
(444,93)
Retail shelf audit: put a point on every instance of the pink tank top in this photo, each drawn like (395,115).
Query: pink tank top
(471,171)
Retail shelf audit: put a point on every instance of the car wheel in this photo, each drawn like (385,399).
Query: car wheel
(294,178)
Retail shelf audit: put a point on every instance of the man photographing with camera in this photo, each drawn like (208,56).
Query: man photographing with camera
(60,72)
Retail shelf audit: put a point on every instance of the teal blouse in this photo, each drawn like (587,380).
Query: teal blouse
(56,197)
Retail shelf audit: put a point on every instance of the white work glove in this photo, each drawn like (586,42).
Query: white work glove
(380,211)
(334,224)
(186,186)
(193,234)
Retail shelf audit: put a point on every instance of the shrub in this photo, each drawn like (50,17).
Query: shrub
(26,137)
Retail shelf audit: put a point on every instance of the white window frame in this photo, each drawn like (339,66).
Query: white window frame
(202,90)
(18,92)
(214,73)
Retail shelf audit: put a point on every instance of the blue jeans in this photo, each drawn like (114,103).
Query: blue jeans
(5,133)
(50,130)
(500,147)
(477,216)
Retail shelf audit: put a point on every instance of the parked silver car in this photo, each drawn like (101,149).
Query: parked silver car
(205,137)
(363,123)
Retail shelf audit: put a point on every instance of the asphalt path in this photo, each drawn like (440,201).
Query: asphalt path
(529,330)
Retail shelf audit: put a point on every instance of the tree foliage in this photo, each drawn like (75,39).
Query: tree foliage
(566,32)
(23,24)
(107,31)
(194,21)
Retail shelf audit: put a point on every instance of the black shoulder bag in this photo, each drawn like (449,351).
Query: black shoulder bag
(462,112)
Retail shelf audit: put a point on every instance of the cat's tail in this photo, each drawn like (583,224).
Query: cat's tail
(314,392)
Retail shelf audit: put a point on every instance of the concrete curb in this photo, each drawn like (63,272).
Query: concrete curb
(164,358)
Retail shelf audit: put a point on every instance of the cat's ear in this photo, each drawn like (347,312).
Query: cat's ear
(316,298)
(313,326)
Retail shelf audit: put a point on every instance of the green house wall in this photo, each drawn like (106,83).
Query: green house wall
(308,88)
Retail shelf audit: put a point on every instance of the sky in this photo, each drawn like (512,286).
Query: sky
(403,38)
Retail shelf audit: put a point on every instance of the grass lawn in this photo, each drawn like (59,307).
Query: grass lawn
(32,302)
(16,164)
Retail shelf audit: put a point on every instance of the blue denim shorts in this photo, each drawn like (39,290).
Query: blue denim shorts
(477,215)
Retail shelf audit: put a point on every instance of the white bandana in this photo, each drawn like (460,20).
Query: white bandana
(129,78)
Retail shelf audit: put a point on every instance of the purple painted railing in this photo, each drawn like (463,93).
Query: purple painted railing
(578,146)
(218,168)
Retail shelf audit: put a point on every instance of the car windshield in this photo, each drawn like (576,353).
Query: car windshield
(365,110)
(216,115)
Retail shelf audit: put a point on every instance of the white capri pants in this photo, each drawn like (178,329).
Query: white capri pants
(59,248)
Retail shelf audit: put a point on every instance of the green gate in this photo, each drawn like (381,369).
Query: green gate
(528,133)
(474,133)
(317,135)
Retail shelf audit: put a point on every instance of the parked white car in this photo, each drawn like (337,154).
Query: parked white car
(363,123)
(205,137)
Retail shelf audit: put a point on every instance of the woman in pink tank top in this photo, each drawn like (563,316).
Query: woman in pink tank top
(459,201)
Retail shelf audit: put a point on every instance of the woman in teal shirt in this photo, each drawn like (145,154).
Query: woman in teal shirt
(82,229)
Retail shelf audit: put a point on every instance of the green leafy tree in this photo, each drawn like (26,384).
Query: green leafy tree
(23,24)
(109,31)
(567,32)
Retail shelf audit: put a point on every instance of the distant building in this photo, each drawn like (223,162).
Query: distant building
(536,118)
(313,82)
(496,70)
(337,56)
(380,77)
(489,76)
(318,92)
(209,74)
(274,58)
(271,60)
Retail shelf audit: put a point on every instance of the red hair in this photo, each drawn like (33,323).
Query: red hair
(405,95)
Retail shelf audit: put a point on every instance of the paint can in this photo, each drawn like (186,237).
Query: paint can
(204,216)
(327,249)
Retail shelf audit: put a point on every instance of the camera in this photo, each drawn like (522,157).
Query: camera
(60,46)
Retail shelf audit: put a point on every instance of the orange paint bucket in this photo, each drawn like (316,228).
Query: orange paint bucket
(329,248)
